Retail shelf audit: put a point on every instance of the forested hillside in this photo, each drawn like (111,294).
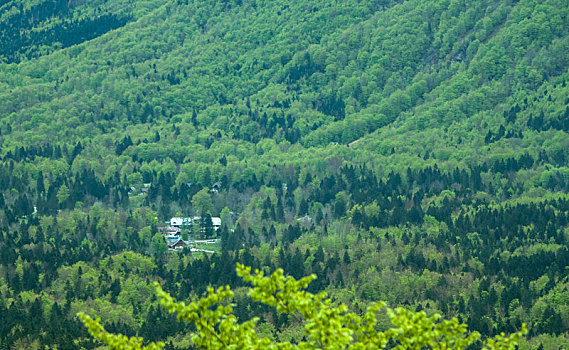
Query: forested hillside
(415,152)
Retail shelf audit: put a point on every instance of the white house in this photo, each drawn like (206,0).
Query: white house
(216,222)
(179,222)
(177,245)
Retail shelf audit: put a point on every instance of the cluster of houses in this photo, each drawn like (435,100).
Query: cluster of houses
(173,232)
(181,222)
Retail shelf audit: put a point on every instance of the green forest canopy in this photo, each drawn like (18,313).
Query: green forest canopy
(414,152)
(327,326)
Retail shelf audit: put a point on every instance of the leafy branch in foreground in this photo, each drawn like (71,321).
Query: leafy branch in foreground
(326,326)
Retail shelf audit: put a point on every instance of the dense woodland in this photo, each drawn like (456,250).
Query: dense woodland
(413,152)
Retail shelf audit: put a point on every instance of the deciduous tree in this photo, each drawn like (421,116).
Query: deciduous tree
(326,326)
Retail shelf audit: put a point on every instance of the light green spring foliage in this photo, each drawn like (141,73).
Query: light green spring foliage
(327,326)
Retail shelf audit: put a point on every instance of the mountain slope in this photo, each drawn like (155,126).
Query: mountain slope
(410,151)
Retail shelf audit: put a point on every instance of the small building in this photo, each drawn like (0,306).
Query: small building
(172,236)
(169,230)
(216,222)
(172,240)
(178,245)
(179,222)
(216,187)
(176,222)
